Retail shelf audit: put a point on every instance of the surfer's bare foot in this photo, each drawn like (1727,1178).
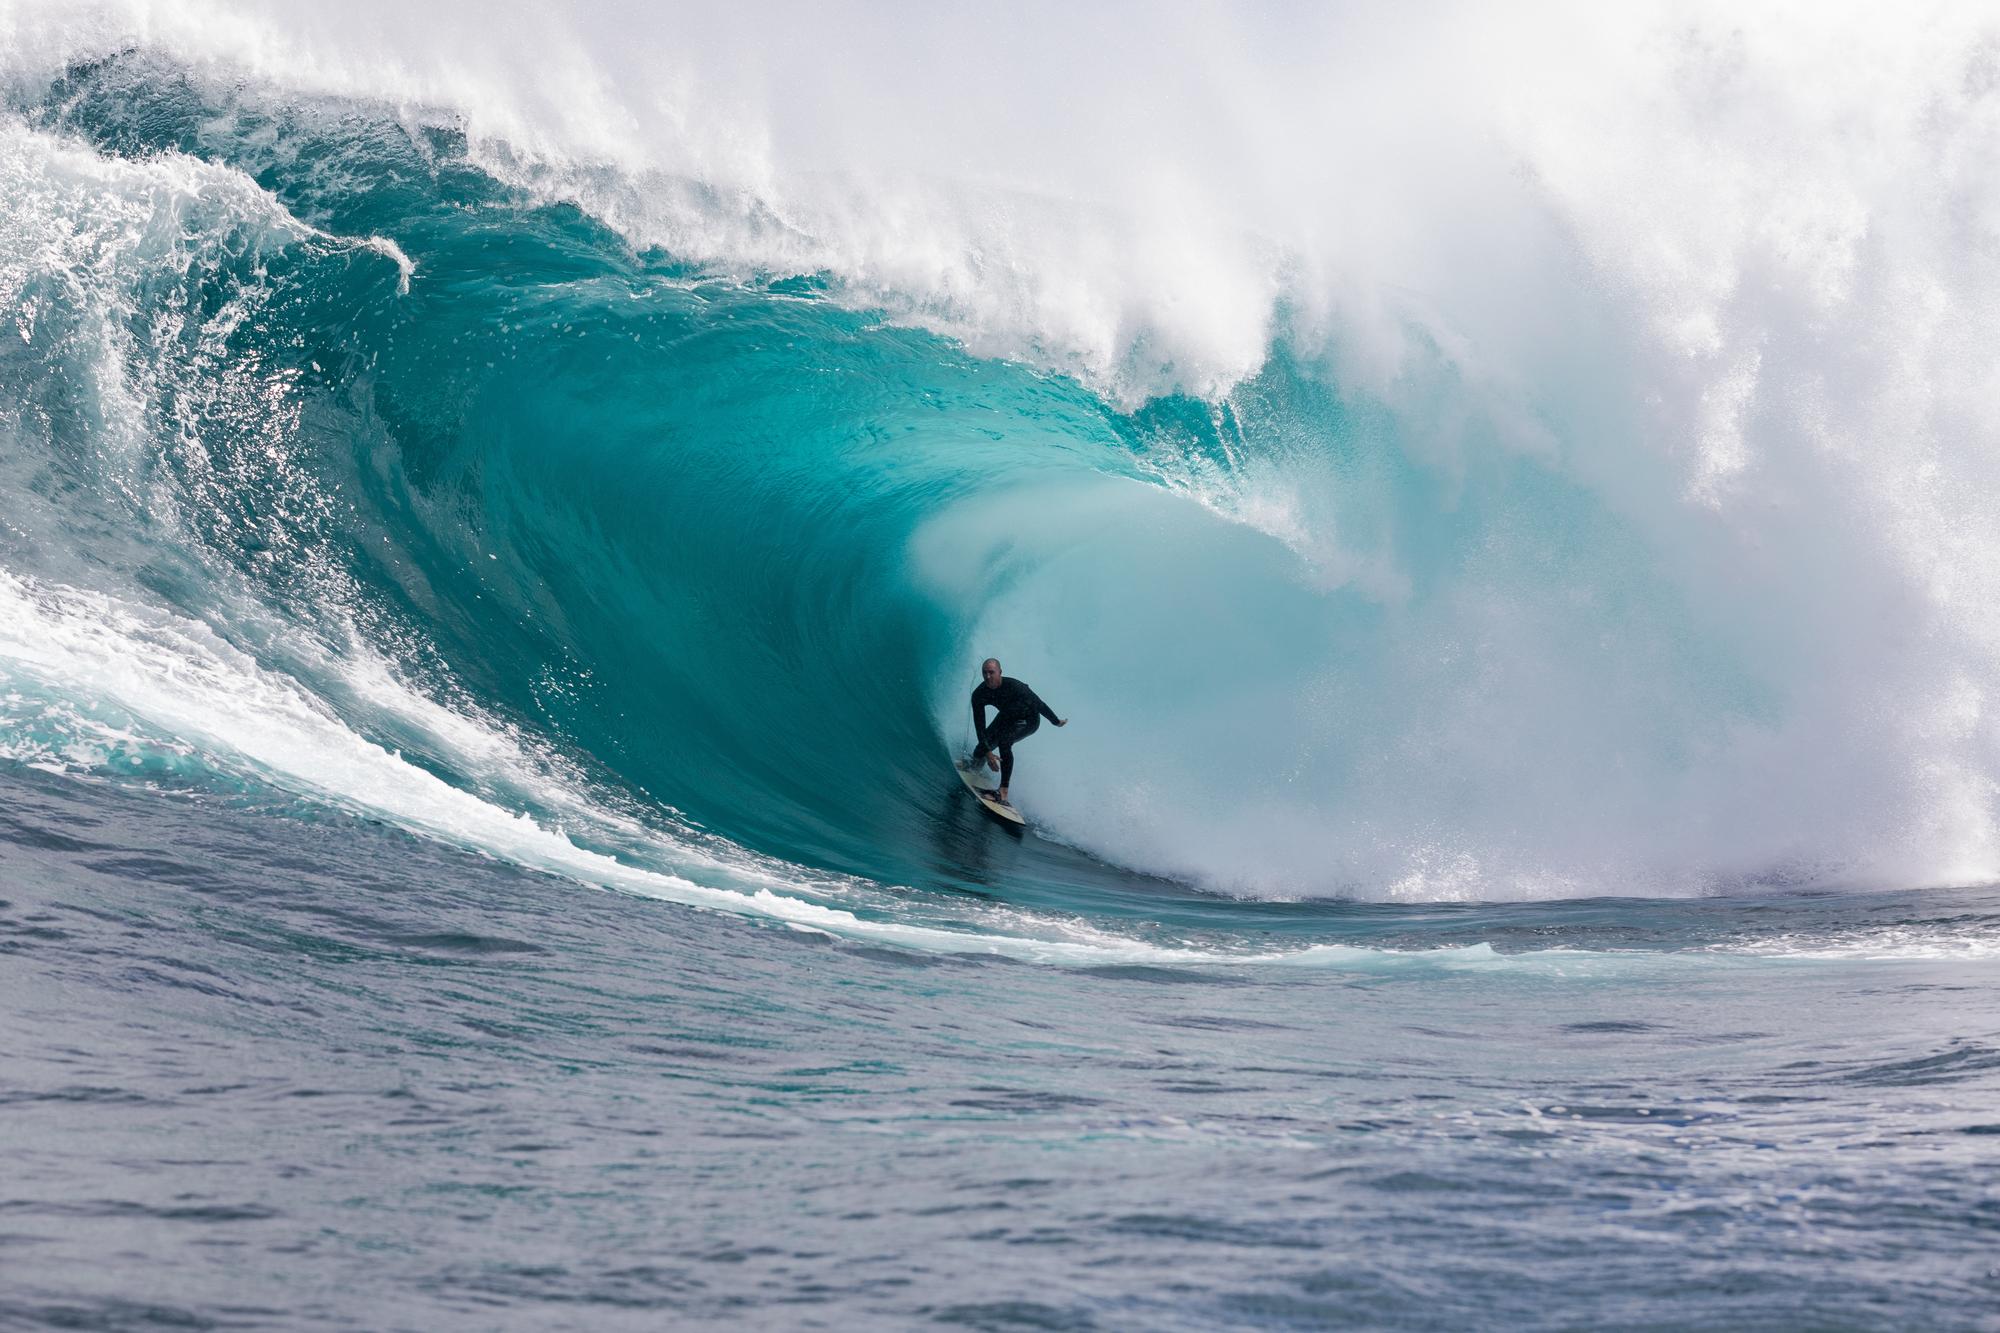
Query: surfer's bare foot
(1001,796)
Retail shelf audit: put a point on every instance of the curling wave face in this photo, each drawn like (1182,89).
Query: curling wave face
(626,500)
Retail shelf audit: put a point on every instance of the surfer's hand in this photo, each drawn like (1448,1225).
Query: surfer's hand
(1062,721)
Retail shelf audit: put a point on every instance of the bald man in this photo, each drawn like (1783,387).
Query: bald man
(1018,711)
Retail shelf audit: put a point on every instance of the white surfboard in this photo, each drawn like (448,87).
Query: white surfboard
(979,780)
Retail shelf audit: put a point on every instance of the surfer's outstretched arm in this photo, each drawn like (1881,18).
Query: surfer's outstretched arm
(1046,711)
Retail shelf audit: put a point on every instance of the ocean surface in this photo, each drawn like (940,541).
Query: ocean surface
(501,512)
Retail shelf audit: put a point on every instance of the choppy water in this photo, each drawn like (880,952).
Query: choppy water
(262,1071)
(495,537)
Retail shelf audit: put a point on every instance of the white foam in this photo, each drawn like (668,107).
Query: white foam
(1139,193)
(390,251)
(1885,944)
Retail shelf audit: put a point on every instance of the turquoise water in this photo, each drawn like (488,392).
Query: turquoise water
(1483,881)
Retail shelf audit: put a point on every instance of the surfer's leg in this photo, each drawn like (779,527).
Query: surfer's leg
(1007,739)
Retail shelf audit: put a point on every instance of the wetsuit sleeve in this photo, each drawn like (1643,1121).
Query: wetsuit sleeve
(1043,708)
(979,721)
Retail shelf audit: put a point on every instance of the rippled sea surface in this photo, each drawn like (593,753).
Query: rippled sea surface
(260,1072)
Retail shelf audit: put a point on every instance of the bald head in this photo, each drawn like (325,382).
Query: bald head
(989,671)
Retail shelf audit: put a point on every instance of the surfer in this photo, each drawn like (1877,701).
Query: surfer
(1018,711)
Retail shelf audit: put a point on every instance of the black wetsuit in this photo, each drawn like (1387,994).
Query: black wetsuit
(1018,712)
